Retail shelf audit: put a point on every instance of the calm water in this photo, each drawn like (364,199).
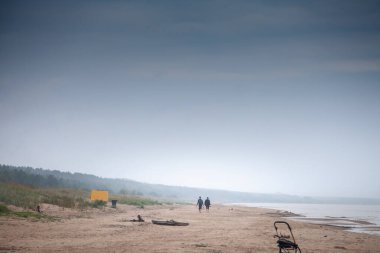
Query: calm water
(348,216)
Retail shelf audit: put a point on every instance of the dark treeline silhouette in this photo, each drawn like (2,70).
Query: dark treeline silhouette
(47,178)
(20,176)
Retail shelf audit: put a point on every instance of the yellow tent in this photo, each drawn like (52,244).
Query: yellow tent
(99,195)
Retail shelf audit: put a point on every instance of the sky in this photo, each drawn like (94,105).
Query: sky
(255,96)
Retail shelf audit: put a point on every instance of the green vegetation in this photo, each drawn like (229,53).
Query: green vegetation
(41,178)
(10,174)
(19,195)
(135,200)
(27,188)
(30,197)
(69,198)
(49,178)
(27,214)
(97,203)
(4,211)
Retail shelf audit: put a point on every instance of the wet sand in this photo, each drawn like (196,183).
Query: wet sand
(223,229)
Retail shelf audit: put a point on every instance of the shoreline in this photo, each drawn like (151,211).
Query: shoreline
(351,224)
(223,229)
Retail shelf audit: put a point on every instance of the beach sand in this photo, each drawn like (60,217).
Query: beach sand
(223,229)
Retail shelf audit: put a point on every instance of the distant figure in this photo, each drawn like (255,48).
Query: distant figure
(200,203)
(207,204)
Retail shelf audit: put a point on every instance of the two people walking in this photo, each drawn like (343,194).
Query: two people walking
(207,203)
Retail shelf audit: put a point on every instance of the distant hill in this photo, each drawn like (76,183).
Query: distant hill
(58,179)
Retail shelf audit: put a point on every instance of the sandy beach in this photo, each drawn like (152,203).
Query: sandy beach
(223,229)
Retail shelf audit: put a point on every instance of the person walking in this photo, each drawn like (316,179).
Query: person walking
(200,203)
(207,204)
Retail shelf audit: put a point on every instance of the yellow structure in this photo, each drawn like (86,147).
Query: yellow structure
(99,195)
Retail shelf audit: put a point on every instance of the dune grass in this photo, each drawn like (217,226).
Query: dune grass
(29,197)
(135,200)
(97,203)
(19,195)
(5,211)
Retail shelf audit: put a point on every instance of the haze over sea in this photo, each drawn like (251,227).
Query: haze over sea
(357,218)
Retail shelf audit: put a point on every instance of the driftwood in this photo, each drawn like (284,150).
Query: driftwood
(139,219)
(170,223)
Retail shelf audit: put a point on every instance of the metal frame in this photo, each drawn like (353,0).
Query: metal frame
(284,244)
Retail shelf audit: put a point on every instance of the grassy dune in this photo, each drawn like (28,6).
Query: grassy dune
(29,197)
(4,211)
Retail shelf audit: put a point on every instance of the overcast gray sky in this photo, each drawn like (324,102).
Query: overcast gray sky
(258,96)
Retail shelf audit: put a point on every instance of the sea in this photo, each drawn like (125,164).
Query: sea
(355,218)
